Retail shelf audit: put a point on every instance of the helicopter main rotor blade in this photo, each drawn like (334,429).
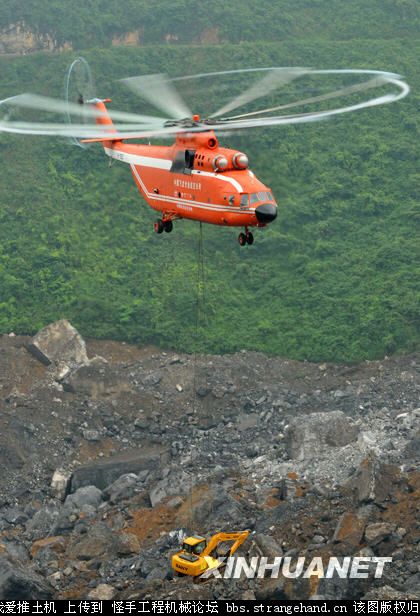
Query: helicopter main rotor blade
(159,91)
(344,91)
(98,131)
(276,78)
(53,105)
(375,82)
(316,116)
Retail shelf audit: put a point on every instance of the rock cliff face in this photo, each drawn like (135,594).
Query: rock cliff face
(129,39)
(19,39)
(110,453)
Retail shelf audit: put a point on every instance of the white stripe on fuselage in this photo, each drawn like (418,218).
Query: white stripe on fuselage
(144,161)
(164,163)
(219,176)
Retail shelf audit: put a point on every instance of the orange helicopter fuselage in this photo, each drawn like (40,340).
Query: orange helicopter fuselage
(197,179)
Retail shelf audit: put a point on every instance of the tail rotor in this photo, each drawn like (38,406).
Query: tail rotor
(79,87)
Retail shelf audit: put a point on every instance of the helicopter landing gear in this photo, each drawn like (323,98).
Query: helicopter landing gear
(242,239)
(168,226)
(163,225)
(246,238)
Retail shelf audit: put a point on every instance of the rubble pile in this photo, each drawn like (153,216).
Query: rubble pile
(110,454)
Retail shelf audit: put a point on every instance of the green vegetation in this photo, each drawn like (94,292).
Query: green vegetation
(96,22)
(334,278)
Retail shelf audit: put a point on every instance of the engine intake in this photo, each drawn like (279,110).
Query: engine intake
(240,161)
(220,163)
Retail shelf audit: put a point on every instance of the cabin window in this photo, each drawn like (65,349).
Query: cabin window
(189,159)
(244,200)
(183,162)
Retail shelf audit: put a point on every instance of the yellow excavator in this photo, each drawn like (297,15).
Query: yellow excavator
(197,555)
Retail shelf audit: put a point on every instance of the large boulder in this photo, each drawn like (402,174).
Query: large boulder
(378,531)
(170,486)
(374,481)
(305,435)
(268,546)
(94,379)
(104,472)
(52,544)
(100,543)
(17,583)
(88,496)
(123,488)
(59,342)
(216,504)
(43,522)
(349,532)
(128,544)
(60,483)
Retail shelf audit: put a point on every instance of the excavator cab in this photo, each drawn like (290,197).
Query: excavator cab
(194,545)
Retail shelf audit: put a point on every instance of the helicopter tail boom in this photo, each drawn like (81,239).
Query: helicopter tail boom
(103,118)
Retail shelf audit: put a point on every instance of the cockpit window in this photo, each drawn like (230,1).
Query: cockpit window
(265,196)
(258,196)
(253,198)
(261,196)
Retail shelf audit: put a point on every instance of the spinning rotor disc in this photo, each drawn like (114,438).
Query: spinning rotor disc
(292,96)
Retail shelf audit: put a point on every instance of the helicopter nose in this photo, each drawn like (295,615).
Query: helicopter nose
(267,212)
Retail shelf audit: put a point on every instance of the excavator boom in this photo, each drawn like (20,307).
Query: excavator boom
(237,537)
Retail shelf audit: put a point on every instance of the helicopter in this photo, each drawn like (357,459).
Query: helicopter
(195,177)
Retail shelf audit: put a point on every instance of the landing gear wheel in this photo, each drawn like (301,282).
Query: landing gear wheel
(242,239)
(249,238)
(159,226)
(168,226)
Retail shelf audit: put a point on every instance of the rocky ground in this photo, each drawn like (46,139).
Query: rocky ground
(110,453)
